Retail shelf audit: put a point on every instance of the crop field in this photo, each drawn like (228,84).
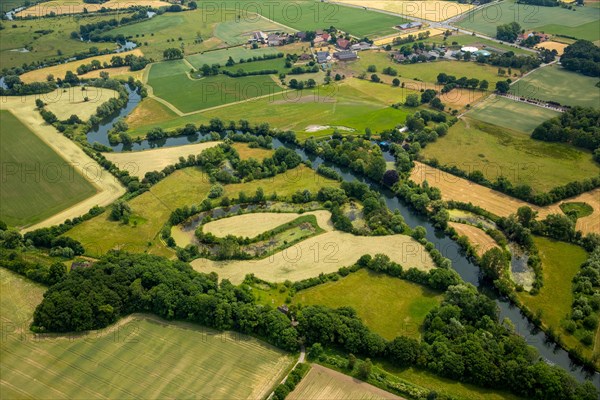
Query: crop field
(141,356)
(582,22)
(551,45)
(477,237)
(560,262)
(389,306)
(306,15)
(322,383)
(511,114)
(36,181)
(390,39)
(45,47)
(354,104)
(430,10)
(152,209)
(66,102)
(253,224)
(472,145)
(60,7)
(196,94)
(138,163)
(59,71)
(324,253)
(557,84)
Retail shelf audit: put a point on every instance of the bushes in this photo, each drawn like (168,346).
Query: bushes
(294,377)
(329,173)
(586,294)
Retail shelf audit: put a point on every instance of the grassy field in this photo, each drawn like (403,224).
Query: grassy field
(59,71)
(355,104)
(277,64)
(20,34)
(149,112)
(557,84)
(139,357)
(430,10)
(221,56)
(325,384)
(511,114)
(196,94)
(582,22)
(152,209)
(323,253)
(307,15)
(60,7)
(470,40)
(389,306)
(36,181)
(560,262)
(580,208)
(236,32)
(473,145)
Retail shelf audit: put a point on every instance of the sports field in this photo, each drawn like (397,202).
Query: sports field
(325,384)
(430,10)
(389,306)
(185,187)
(60,7)
(473,145)
(560,262)
(196,94)
(36,181)
(59,71)
(582,22)
(324,253)
(42,47)
(511,114)
(139,357)
(557,84)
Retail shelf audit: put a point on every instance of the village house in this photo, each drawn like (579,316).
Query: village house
(343,44)
(322,57)
(277,40)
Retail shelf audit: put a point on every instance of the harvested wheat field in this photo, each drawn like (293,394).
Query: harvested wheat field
(109,188)
(478,238)
(324,384)
(138,163)
(551,45)
(62,7)
(117,72)
(323,253)
(500,204)
(390,39)
(253,224)
(59,71)
(430,10)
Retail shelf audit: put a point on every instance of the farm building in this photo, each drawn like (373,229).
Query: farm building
(409,25)
(343,44)
(259,37)
(345,55)
(361,46)
(482,52)
(322,57)
(276,40)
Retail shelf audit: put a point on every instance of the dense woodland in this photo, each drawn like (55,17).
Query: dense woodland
(583,57)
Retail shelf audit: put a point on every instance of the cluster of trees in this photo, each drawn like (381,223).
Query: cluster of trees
(294,377)
(15,87)
(358,154)
(582,56)
(260,58)
(411,38)
(135,63)
(543,3)
(450,82)
(299,84)
(586,303)
(33,270)
(304,70)
(578,125)
(329,172)
(241,72)
(96,31)
(172,53)
(508,32)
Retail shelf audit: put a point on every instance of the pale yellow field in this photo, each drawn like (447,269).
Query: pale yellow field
(390,39)
(138,163)
(118,72)
(551,45)
(76,7)
(325,384)
(478,238)
(59,71)
(323,253)
(253,224)
(430,10)
(459,189)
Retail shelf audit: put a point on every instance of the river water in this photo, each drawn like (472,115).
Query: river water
(469,272)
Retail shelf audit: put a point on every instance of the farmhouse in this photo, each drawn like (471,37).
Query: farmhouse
(259,37)
(343,44)
(345,55)
(323,57)
(276,40)
(409,25)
